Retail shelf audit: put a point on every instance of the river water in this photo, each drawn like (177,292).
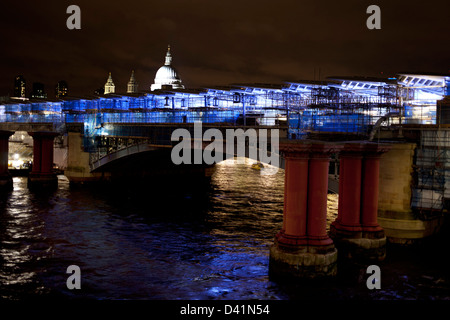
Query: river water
(181,245)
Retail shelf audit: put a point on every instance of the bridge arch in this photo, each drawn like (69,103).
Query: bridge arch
(100,163)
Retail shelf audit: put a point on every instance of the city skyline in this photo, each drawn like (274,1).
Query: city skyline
(218,43)
(307,160)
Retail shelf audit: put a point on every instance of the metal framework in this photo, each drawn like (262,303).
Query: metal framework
(351,105)
(431,189)
(340,104)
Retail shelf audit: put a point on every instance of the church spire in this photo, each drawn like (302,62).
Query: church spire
(132,86)
(109,86)
(168,57)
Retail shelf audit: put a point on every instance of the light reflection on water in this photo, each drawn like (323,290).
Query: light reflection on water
(160,248)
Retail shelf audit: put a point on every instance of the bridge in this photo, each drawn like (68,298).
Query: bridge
(345,108)
(365,127)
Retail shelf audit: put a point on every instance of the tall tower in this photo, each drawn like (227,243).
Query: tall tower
(109,86)
(61,89)
(19,87)
(132,86)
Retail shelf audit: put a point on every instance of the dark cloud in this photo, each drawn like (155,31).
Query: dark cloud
(217,42)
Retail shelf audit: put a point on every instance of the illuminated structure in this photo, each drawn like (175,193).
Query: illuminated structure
(341,104)
(352,108)
(357,105)
(109,85)
(19,87)
(166,76)
(132,86)
(61,89)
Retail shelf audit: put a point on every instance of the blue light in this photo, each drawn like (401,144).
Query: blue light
(346,105)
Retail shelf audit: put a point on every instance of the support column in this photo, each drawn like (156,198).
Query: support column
(293,233)
(370,191)
(356,232)
(37,155)
(47,155)
(348,221)
(6,182)
(42,175)
(319,162)
(302,249)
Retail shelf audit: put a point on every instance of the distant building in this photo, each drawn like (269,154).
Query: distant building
(38,91)
(166,76)
(100,91)
(109,86)
(61,89)
(132,86)
(19,87)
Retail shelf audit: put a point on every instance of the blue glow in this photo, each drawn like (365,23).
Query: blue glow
(340,105)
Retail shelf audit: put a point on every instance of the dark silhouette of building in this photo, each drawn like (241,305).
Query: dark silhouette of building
(61,89)
(19,87)
(99,91)
(38,91)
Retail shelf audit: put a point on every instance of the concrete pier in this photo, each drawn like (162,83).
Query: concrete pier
(78,169)
(395,213)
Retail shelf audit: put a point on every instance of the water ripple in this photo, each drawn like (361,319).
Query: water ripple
(176,247)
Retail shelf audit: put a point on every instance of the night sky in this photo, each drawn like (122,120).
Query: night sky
(217,42)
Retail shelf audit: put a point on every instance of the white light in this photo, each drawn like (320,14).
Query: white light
(16,156)
(16,164)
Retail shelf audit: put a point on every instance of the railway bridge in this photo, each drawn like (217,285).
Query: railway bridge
(387,140)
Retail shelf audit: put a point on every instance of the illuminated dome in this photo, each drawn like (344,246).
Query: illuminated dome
(166,76)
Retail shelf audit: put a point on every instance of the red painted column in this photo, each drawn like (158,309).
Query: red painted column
(295,195)
(370,187)
(5,177)
(286,165)
(43,151)
(3,155)
(303,249)
(4,137)
(317,195)
(42,175)
(37,154)
(4,140)
(47,155)
(350,188)
(341,190)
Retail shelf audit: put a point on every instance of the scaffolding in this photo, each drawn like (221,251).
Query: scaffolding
(352,105)
(431,186)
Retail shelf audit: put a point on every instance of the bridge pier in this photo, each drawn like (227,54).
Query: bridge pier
(399,206)
(356,231)
(42,175)
(302,248)
(6,182)
(78,169)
